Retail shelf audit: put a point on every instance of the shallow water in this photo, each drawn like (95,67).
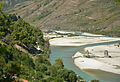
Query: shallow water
(104,76)
(66,53)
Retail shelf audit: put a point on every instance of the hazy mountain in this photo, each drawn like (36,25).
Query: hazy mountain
(98,16)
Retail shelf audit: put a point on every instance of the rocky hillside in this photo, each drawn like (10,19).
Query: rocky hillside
(96,16)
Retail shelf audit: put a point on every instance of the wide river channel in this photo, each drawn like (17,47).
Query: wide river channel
(66,53)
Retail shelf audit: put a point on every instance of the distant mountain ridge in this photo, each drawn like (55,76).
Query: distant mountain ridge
(96,16)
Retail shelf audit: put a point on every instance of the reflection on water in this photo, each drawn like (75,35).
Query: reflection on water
(66,53)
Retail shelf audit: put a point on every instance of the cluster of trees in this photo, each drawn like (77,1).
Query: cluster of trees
(15,64)
(14,30)
(12,62)
(117,0)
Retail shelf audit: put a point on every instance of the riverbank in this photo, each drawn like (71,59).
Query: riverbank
(98,60)
(79,40)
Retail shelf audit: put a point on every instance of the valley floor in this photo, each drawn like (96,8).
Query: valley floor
(97,58)
(79,40)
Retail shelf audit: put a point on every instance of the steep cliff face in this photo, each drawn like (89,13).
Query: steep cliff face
(97,16)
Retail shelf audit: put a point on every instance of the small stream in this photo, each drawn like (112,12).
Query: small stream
(66,53)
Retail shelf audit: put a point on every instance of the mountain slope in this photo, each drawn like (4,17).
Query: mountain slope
(24,54)
(11,3)
(97,16)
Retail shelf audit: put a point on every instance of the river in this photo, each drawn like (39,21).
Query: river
(66,53)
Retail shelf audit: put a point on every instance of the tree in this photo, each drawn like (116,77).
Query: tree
(59,80)
(68,75)
(53,71)
(2,65)
(39,75)
(10,70)
(72,77)
(13,68)
(59,63)
(95,81)
(2,62)
(0,6)
(117,0)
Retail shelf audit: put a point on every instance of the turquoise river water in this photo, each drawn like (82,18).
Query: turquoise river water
(66,53)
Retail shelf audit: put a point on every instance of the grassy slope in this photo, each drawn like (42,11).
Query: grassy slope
(98,16)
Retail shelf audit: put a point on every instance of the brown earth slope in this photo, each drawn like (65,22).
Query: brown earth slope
(97,16)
